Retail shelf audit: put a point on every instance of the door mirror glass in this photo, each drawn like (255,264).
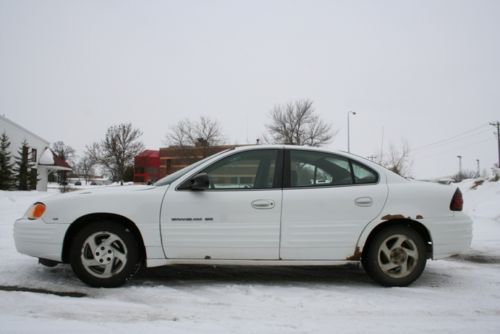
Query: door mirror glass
(200,182)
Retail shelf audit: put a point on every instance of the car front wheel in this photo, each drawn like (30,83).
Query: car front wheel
(104,254)
(396,256)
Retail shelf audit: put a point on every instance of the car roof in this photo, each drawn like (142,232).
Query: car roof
(291,147)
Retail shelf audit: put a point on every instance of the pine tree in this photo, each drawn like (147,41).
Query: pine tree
(22,167)
(6,172)
(33,178)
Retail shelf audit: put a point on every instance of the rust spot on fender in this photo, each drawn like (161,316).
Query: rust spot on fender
(356,256)
(399,216)
(392,217)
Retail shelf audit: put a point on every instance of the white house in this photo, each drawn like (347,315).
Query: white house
(45,161)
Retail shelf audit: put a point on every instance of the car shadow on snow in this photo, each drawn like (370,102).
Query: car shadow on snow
(60,280)
(477,257)
(351,274)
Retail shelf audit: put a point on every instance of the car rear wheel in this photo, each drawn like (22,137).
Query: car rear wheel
(396,256)
(104,254)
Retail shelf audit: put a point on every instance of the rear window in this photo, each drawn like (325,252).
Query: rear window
(363,174)
(319,169)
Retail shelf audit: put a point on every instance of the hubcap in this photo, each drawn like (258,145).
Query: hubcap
(104,254)
(398,256)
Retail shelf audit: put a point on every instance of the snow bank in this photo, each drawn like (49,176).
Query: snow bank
(483,200)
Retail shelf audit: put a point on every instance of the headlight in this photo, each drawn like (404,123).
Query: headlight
(36,211)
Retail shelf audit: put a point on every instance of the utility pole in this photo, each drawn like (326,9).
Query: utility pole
(459,166)
(497,124)
(348,131)
(478,169)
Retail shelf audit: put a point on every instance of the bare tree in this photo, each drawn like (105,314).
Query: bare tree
(93,152)
(67,153)
(85,167)
(118,149)
(190,133)
(297,124)
(397,160)
(64,151)
(465,174)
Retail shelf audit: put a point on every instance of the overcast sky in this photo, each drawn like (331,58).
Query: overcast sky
(420,71)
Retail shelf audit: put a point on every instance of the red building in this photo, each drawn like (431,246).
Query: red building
(174,158)
(147,166)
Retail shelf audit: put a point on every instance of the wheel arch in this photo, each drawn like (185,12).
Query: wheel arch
(415,225)
(79,223)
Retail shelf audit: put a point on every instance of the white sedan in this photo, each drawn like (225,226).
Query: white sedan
(253,205)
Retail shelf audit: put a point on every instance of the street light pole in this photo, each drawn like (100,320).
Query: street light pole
(497,125)
(348,131)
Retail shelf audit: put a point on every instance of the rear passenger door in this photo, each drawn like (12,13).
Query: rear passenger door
(327,201)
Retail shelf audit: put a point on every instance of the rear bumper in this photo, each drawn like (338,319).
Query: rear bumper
(39,239)
(451,235)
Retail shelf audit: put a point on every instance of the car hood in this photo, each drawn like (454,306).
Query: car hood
(128,201)
(99,191)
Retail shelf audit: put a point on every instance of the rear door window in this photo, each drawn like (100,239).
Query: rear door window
(319,169)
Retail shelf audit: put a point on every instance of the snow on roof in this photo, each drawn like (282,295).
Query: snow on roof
(149,153)
(52,160)
(47,158)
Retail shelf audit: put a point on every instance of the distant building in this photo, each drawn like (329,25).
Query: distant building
(147,166)
(151,165)
(43,159)
(174,158)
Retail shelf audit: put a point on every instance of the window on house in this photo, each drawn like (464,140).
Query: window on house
(33,155)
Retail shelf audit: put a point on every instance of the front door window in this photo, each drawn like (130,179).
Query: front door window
(246,170)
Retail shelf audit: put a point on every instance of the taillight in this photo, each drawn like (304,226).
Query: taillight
(457,202)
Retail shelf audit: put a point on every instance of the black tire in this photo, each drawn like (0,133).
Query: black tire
(105,254)
(396,256)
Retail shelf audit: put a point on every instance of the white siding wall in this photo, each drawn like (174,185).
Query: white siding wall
(18,134)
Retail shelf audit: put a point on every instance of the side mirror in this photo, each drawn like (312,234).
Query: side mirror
(200,182)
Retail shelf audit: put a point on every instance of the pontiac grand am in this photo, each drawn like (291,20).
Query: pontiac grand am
(253,205)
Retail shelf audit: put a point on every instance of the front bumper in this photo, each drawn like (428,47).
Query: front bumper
(39,239)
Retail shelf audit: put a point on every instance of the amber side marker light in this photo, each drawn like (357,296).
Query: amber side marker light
(457,202)
(36,211)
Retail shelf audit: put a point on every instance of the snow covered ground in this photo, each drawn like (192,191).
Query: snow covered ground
(458,295)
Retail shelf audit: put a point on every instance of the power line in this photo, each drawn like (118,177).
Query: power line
(472,132)
(442,150)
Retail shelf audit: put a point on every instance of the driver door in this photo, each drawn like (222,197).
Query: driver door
(236,217)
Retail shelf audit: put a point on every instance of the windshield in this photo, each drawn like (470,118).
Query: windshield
(181,172)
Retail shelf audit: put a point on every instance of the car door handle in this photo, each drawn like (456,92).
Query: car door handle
(263,204)
(363,201)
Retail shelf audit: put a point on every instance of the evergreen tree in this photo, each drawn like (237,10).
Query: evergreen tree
(33,181)
(6,172)
(22,167)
